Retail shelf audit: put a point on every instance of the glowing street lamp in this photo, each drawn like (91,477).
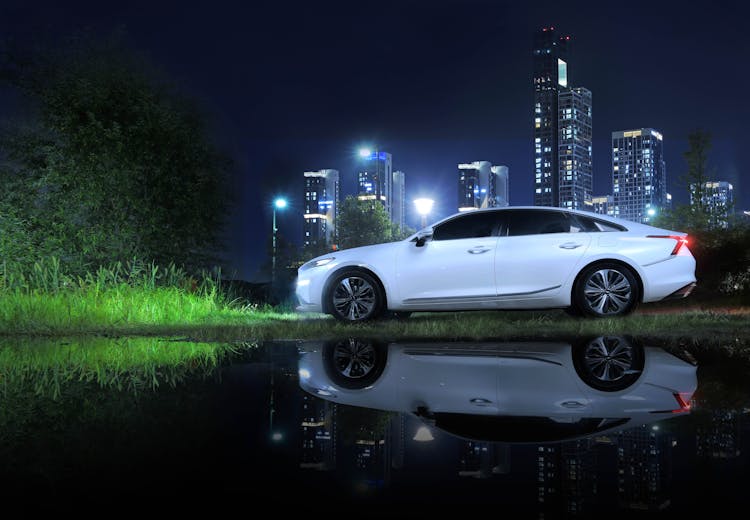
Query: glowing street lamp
(424,207)
(423,435)
(279,203)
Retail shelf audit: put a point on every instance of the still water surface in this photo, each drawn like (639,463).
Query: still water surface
(590,427)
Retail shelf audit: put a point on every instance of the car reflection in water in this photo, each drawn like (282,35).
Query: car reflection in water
(505,391)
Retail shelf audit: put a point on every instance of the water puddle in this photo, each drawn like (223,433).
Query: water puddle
(584,427)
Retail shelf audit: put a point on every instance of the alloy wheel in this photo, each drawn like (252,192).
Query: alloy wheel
(608,292)
(354,298)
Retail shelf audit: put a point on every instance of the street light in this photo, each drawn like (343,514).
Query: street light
(424,207)
(423,435)
(279,203)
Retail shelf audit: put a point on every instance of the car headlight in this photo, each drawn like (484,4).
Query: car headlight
(317,263)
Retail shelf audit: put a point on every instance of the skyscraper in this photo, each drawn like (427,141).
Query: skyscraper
(477,185)
(502,187)
(603,205)
(375,181)
(398,201)
(717,198)
(644,460)
(321,207)
(576,180)
(562,128)
(550,71)
(318,427)
(639,178)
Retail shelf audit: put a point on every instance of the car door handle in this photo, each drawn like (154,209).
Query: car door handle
(570,245)
(478,250)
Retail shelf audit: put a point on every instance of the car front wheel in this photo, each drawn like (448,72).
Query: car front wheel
(606,290)
(355,296)
(355,363)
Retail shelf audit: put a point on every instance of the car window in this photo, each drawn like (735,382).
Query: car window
(470,225)
(589,224)
(536,222)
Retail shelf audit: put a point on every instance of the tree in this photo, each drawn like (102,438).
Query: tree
(362,222)
(113,164)
(695,216)
(400,233)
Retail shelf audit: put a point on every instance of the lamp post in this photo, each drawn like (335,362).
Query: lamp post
(424,207)
(279,203)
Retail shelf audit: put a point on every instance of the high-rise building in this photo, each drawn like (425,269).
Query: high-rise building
(717,198)
(398,201)
(318,434)
(502,187)
(603,205)
(576,176)
(478,185)
(321,207)
(639,179)
(375,181)
(481,459)
(562,127)
(720,437)
(550,71)
(644,460)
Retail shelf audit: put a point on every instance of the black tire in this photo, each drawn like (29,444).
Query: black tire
(355,296)
(397,315)
(608,363)
(606,290)
(354,363)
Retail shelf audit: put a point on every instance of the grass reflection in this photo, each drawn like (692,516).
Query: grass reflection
(130,364)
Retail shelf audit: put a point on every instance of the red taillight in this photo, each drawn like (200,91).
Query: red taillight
(683,399)
(681,241)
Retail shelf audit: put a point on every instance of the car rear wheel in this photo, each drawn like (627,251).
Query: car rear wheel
(606,290)
(608,363)
(355,296)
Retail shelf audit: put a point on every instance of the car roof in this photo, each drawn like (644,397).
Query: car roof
(607,218)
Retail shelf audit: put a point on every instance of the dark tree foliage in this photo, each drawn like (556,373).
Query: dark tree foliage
(111,163)
(721,246)
(362,223)
(696,215)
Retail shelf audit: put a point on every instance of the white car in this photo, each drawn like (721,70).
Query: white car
(505,258)
(531,391)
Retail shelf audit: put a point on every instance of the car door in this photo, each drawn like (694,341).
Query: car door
(537,252)
(453,269)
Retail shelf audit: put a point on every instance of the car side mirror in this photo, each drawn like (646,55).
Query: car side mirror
(423,237)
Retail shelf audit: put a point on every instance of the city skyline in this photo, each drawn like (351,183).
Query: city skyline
(433,94)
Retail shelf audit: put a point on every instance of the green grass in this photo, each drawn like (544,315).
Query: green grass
(123,299)
(140,299)
(121,309)
(686,327)
(168,311)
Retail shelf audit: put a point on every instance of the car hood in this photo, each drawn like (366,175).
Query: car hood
(355,252)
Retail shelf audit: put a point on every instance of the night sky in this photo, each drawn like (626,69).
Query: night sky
(295,86)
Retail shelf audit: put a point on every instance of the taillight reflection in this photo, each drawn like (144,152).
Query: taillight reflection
(683,400)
